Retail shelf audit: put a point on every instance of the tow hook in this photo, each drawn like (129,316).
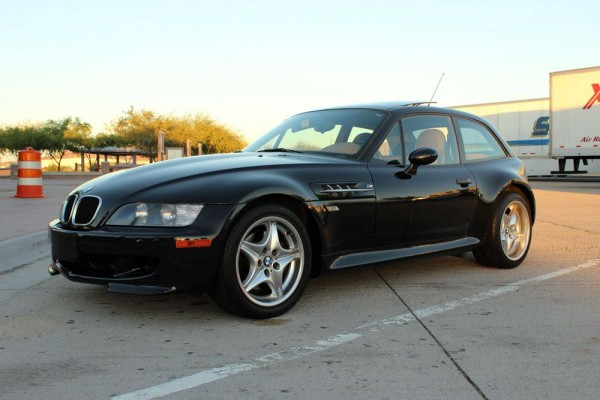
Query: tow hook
(53,270)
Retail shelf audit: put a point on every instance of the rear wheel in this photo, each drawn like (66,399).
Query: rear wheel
(508,237)
(266,263)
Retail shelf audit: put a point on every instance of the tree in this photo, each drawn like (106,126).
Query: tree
(216,138)
(107,140)
(140,129)
(54,138)
(15,138)
(69,134)
(78,134)
(136,128)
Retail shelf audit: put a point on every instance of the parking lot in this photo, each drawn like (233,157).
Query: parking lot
(436,328)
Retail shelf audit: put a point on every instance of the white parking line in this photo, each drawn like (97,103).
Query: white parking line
(211,375)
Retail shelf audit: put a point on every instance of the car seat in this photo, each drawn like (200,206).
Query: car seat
(435,139)
(361,138)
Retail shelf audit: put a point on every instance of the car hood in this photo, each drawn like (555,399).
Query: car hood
(145,178)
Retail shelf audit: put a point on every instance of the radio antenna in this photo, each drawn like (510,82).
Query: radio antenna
(436,88)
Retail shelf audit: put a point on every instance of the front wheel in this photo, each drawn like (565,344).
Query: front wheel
(508,238)
(266,263)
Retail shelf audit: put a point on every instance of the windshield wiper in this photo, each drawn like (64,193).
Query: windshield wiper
(280,149)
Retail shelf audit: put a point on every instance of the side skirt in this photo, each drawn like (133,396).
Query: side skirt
(371,257)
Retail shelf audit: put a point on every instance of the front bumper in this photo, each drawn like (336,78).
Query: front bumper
(132,259)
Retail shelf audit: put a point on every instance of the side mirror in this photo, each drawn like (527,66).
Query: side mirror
(422,156)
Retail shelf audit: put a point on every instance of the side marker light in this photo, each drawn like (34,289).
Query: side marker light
(186,243)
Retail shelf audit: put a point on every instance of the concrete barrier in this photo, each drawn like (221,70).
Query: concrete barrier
(14,171)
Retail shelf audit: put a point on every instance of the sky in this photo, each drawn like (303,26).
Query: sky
(251,64)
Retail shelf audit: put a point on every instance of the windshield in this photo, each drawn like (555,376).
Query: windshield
(341,131)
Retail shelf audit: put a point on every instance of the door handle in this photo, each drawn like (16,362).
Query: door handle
(463,182)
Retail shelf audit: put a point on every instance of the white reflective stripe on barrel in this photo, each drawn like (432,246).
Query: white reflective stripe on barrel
(29,181)
(30,165)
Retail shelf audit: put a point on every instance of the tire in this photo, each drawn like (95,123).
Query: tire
(266,263)
(507,239)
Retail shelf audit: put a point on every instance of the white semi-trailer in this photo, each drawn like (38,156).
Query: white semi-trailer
(575,116)
(564,127)
(523,123)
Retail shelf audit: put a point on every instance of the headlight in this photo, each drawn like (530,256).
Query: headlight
(155,214)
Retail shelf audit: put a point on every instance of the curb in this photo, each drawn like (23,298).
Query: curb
(23,250)
(57,175)
(564,178)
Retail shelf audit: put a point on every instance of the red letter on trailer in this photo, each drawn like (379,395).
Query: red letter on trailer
(594,98)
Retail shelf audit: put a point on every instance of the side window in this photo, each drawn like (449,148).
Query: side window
(391,148)
(479,142)
(435,131)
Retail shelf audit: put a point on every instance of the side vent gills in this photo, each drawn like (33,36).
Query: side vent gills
(343,190)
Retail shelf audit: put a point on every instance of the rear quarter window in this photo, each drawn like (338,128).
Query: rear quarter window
(479,142)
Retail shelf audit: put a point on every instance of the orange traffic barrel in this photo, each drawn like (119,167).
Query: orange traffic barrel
(29,183)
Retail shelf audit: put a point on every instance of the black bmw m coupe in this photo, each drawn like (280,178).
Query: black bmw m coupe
(326,189)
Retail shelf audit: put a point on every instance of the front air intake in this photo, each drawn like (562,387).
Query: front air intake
(86,210)
(65,215)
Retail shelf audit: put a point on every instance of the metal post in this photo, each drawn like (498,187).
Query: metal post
(161,146)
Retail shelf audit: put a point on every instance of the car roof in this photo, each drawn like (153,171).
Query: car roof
(406,107)
(392,106)
(387,105)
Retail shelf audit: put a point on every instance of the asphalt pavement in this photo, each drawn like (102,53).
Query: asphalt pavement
(430,328)
(23,231)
